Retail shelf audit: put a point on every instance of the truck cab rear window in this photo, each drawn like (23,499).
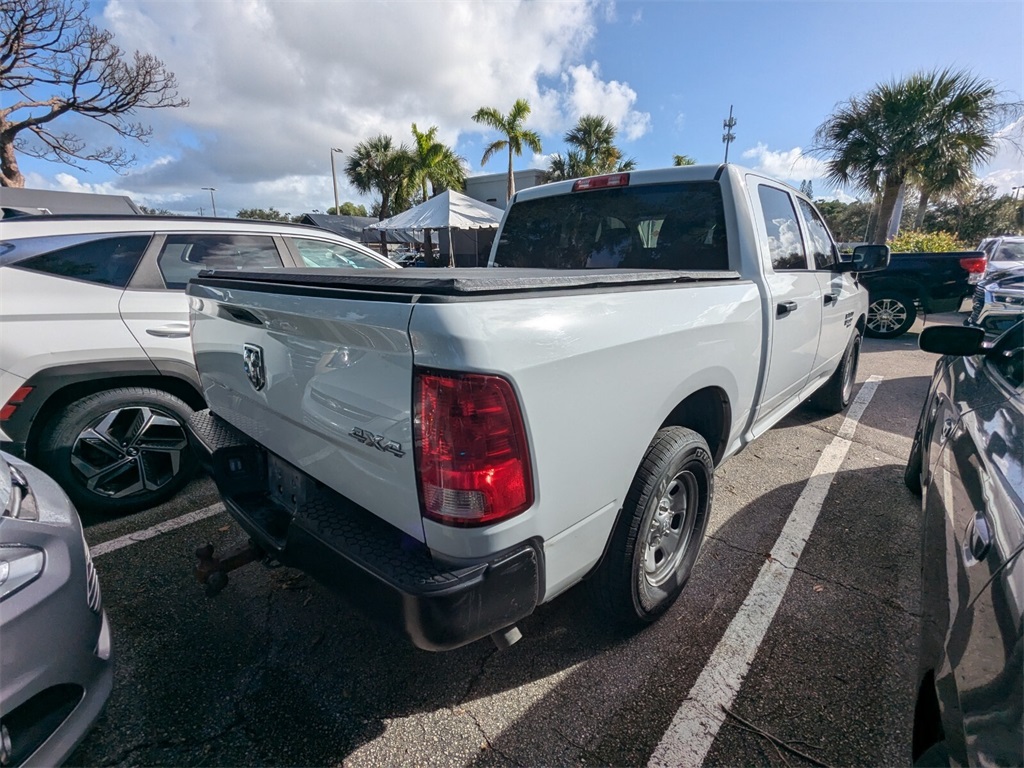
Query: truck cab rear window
(657,226)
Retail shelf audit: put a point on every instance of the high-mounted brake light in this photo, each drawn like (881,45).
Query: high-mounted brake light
(601,182)
(13,402)
(472,461)
(974,264)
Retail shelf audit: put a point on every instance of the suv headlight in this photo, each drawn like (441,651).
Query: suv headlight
(19,566)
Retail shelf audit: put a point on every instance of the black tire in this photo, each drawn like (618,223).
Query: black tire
(890,314)
(120,450)
(912,472)
(632,584)
(835,394)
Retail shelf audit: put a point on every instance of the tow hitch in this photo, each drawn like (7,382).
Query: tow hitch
(212,572)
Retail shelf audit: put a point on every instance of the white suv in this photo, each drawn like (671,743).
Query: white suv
(96,369)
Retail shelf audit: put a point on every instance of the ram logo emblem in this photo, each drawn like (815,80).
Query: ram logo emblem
(377,441)
(252,363)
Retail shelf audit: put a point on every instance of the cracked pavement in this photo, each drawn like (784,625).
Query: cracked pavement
(277,670)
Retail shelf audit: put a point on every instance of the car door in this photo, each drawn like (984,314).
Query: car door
(795,295)
(840,299)
(155,308)
(972,568)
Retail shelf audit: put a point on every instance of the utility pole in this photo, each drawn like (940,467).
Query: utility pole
(334,178)
(213,202)
(728,137)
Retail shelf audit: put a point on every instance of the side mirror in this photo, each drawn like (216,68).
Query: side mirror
(960,340)
(867,258)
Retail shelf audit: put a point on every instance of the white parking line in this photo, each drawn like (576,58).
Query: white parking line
(694,727)
(149,533)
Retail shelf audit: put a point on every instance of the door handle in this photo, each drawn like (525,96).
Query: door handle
(783,308)
(979,535)
(829,298)
(172,331)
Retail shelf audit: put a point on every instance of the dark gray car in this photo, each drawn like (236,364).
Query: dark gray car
(55,670)
(967,458)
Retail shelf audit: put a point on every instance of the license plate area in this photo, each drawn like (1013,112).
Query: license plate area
(286,485)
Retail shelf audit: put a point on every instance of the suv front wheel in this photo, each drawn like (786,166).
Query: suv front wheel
(121,450)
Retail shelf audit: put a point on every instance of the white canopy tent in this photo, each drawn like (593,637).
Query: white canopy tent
(449,210)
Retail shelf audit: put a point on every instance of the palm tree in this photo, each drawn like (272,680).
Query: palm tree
(593,151)
(515,134)
(377,165)
(683,160)
(438,164)
(934,122)
(962,136)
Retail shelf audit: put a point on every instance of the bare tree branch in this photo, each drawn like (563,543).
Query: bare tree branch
(60,64)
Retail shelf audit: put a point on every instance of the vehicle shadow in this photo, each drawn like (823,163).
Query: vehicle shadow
(279,671)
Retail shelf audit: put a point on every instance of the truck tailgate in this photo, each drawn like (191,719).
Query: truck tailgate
(335,395)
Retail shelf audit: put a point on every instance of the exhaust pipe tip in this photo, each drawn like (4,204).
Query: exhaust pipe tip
(506,638)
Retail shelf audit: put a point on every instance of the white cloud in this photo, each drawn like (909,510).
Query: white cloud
(788,165)
(1006,169)
(273,85)
(588,94)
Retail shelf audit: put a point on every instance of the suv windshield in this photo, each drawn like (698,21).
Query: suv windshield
(679,225)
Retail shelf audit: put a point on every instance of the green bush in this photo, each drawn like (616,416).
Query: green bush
(914,241)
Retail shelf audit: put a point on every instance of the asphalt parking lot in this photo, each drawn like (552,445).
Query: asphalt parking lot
(277,670)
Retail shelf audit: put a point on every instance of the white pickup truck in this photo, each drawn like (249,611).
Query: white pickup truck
(451,448)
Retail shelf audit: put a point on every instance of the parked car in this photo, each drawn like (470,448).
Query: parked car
(967,458)
(919,282)
(998,300)
(1004,252)
(454,447)
(96,370)
(56,670)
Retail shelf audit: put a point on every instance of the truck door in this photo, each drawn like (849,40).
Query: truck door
(794,312)
(838,292)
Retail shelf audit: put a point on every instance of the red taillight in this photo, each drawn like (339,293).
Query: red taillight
(13,402)
(602,182)
(975,264)
(472,460)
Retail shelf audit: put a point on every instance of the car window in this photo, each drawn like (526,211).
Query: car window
(103,259)
(1008,357)
(785,244)
(322,253)
(651,226)
(1010,251)
(823,250)
(185,256)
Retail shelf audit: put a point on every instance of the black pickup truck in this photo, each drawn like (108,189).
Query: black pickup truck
(919,282)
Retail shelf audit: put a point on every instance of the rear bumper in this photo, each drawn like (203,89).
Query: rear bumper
(387,573)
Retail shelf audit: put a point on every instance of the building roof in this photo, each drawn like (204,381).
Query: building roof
(17,201)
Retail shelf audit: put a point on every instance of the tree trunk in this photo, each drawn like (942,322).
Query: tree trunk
(511,177)
(10,175)
(890,192)
(922,206)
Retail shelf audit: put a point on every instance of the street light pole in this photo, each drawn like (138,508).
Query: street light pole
(334,178)
(212,201)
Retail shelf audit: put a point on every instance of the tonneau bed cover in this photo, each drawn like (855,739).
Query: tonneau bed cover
(459,281)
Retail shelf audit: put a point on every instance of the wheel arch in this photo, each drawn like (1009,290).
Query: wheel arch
(907,288)
(61,386)
(707,412)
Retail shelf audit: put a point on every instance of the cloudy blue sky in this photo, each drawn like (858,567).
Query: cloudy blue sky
(274,84)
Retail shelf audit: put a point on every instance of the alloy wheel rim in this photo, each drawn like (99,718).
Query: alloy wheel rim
(670,528)
(129,451)
(886,315)
(851,373)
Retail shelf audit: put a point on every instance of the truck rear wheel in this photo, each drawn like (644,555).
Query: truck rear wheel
(659,534)
(890,315)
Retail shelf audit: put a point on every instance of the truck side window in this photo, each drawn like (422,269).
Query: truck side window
(785,244)
(822,248)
